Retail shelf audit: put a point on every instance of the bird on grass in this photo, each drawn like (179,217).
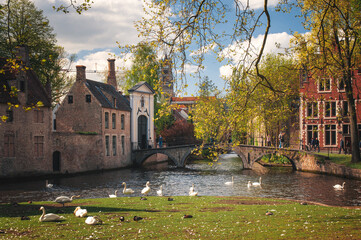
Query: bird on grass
(187,216)
(339,187)
(113,195)
(65,199)
(50,217)
(192,192)
(170,199)
(143,198)
(146,190)
(269,213)
(121,219)
(78,212)
(126,190)
(94,220)
(25,218)
(136,218)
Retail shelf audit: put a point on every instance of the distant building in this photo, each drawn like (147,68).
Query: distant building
(166,77)
(25,137)
(324,111)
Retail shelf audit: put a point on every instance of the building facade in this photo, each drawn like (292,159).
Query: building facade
(324,110)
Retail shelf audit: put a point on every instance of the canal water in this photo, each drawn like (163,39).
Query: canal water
(209,181)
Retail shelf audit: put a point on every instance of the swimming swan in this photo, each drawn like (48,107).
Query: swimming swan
(192,192)
(339,187)
(258,183)
(229,183)
(160,191)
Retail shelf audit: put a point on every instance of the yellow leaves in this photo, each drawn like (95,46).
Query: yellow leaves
(40,104)
(4,118)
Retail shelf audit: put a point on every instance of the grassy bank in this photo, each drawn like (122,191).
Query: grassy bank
(342,159)
(213,218)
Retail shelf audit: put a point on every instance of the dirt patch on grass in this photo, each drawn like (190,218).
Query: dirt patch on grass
(217,209)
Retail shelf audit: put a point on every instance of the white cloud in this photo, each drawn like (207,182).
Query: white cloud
(257,4)
(101,26)
(236,53)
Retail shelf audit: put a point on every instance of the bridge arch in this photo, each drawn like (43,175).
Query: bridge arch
(148,155)
(284,155)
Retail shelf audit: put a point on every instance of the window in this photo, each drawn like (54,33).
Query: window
(341,84)
(22,86)
(54,124)
(324,85)
(9,146)
(113,120)
(114,102)
(39,146)
(88,98)
(345,129)
(122,121)
(344,108)
(106,120)
(114,144)
(38,116)
(142,101)
(330,109)
(70,99)
(312,109)
(312,132)
(10,116)
(107,146)
(330,135)
(123,145)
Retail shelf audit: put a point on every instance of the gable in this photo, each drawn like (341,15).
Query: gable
(142,87)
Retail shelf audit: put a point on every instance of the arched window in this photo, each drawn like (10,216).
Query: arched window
(122,123)
(106,120)
(113,120)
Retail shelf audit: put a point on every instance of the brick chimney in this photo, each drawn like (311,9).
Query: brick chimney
(112,80)
(80,73)
(22,52)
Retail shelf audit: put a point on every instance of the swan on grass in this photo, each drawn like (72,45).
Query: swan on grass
(339,187)
(113,195)
(146,190)
(192,192)
(258,183)
(160,191)
(93,220)
(78,212)
(229,183)
(191,189)
(50,217)
(65,199)
(127,190)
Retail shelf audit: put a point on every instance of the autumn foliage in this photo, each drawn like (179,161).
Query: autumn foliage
(180,133)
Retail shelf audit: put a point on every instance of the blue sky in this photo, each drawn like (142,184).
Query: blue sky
(93,35)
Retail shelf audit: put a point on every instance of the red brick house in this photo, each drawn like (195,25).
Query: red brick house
(25,137)
(92,126)
(324,111)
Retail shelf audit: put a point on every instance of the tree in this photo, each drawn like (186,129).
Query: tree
(21,23)
(206,87)
(332,48)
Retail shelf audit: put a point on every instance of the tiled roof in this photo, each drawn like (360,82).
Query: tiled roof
(103,92)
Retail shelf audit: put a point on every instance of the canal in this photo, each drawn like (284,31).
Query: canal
(209,181)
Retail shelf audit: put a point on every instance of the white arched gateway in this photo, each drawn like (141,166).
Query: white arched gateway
(142,115)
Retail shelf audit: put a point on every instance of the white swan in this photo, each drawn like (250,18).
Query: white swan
(146,190)
(48,185)
(50,217)
(127,190)
(64,199)
(249,184)
(229,183)
(192,192)
(78,212)
(93,220)
(258,183)
(339,187)
(160,191)
(113,195)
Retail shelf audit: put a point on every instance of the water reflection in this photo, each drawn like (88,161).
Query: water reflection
(209,180)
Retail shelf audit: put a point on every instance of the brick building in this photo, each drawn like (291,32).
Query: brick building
(324,110)
(25,137)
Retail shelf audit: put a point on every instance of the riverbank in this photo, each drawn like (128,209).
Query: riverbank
(212,218)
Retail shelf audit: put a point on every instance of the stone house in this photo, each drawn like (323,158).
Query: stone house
(92,126)
(324,110)
(25,137)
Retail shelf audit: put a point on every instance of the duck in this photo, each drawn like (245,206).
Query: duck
(187,216)
(127,190)
(160,191)
(136,218)
(170,199)
(249,184)
(50,217)
(258,183)
(25,218)
(339,187)
(113,195)
(65,199)
(146,190)
(269,213)
(121,218)
(94,220)
(78,212)
(229,183)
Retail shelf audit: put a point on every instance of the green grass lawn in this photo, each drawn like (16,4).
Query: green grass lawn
(342,159)
(213,218)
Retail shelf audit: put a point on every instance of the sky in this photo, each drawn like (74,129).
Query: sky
(94,34)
